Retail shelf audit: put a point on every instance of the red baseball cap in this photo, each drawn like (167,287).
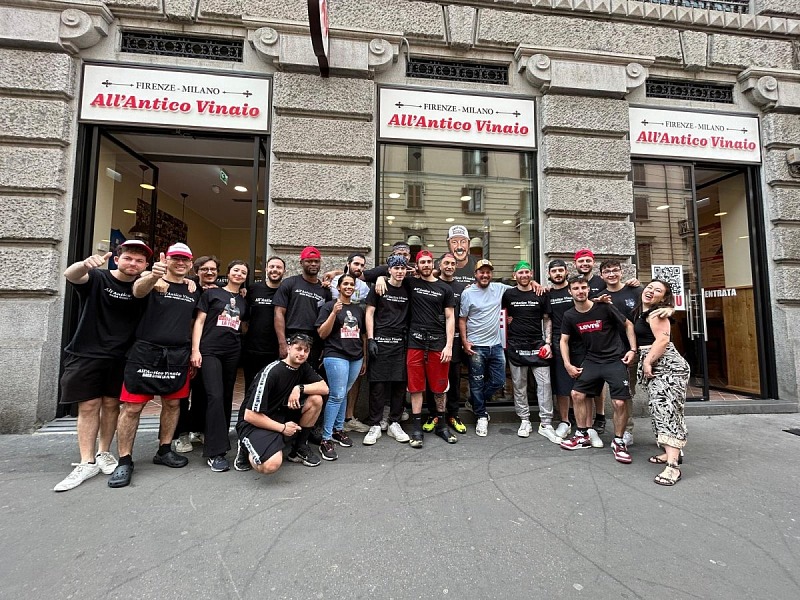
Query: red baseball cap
(422,253)
(310,252)
(179,249)
(583,252)
(138,244)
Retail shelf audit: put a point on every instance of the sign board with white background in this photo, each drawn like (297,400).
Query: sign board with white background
(132,95)
(694,135)
(673,275)
(453,118)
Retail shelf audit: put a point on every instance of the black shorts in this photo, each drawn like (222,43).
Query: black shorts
(595,375)
(560,379)
(262,444)
(88,378)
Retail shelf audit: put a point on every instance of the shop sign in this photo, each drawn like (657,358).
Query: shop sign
(725,293)
(452,118)
(170,98)
(694,135)
(673,275)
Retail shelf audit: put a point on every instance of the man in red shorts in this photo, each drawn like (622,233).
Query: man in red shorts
(158,361)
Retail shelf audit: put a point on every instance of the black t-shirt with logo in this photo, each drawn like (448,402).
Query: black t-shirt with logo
(302,301)
(427,327)
(167,320)
(560,302)
(271,388)
(624,300)
(222,331)
(599,329)
(344,340)
(526,309)
(109,316)
(596,284)
(391,311)
(260,337)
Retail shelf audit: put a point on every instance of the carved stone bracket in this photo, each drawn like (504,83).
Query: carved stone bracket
(79,30)
(772,89)
(265,43)
(382,55)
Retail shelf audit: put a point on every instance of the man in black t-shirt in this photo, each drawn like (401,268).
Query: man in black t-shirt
(260,346)
(560,302)
(158,361)
(284,401)
(95,356)
(598,324)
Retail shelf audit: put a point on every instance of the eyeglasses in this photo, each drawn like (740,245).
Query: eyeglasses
(207,270)
(612,271)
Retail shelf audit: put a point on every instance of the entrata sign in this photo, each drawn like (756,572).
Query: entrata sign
(695,135)
(418,116)
(161,98)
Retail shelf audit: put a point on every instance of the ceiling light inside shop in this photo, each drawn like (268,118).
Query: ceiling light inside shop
(394,195)
(466,198)
(720,214)
(507,222)
(129,211)
(106,241)
(430,245)
(662,207)
(385,243)
(147,186)
(517,247)
(702,234)
(390,218)
(449,220)
(261,211)
(743,237)
(115,175)
(703,202)
(240,188)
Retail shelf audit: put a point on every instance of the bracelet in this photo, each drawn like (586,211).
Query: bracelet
(284,428)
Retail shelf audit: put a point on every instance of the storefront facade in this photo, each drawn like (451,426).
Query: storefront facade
(524,122)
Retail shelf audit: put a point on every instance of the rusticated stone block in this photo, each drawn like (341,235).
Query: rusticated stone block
(784,204)
(785,243)
(342,229)
(740,51)
(694,45)
(780,129)
(781,8)
(36,120)
(31,218)
(138,5)
(37,72)
(19,389)
(586,195)
(786,281)
(297,93)
(41,169)
(776,169)
(562,236)
(300,182)
(572,154)
(229,10)
(579,114)
(42,272)
(323,139)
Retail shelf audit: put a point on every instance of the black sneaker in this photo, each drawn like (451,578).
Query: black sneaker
(599,426)
(171,459)
(447,435)
(417,438)
(327,450)
(304,454)
(242,460)
(315,437)
(343,439)
(219,464)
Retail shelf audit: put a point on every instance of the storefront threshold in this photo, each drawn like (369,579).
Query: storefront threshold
(741,407)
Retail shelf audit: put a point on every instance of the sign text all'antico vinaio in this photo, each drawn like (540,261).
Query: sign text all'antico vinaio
(175,98)
(414,115)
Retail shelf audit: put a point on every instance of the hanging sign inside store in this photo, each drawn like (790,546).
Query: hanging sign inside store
(167,98)
(318,25)
(694,135)
(673,275)
(451,118)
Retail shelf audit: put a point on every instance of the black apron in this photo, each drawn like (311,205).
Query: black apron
(526,354)
(156,370)
(390,364)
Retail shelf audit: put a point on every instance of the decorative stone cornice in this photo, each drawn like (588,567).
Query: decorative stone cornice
(772,89)
(79,30)
(561,71)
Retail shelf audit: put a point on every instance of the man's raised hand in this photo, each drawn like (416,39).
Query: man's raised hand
(95,260)
(160,268)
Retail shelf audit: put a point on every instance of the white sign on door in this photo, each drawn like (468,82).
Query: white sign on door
(672,274)
(422,116)
(694,135)
(171,98)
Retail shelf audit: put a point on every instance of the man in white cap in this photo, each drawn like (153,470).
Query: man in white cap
(458,242)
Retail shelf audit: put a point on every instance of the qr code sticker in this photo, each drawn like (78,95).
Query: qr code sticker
(672,274)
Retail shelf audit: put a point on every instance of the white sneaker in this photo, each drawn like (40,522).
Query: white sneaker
(627,437)
(106,462)
(594,437)
(197,437)
(548,432)
(396,432)
(80,473)
(482,427)
(563,430)
(405,416)
(525,428)
(183,444)
(372,435)
(355,425)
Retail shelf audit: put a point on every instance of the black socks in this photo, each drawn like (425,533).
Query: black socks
(125,460)
(163,449)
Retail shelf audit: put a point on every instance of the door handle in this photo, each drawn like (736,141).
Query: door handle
(703,313)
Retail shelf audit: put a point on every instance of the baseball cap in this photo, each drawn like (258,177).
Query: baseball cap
(484,262)
(309,252)
(556,263)
(523,264)
(583,252)
(457,230)
(137,244)
(422,253)
(179,249)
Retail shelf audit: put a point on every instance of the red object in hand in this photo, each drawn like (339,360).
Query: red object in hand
(542,352)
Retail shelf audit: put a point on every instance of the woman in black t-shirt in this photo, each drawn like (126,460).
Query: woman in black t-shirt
(665,374)
(341,324)
(216,346)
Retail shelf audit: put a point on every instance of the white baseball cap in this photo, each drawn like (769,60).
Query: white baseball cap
(179,249)
(457,231)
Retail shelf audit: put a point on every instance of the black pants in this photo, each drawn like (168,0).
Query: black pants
(193,411)
(219,377)
(379,391)
(453,399)
(252,363)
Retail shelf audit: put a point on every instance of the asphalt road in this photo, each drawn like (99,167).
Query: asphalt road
(495,517)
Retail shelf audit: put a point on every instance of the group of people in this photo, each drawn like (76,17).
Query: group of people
(304,341)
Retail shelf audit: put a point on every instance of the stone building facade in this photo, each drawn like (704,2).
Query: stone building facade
(583,63)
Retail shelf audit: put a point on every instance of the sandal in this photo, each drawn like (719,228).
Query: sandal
(669,476)
(121,476)
(657,460)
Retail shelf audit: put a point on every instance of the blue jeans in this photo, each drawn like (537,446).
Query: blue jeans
(487,374)
(342,374)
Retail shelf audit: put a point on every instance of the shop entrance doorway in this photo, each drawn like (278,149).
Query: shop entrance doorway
(696,225)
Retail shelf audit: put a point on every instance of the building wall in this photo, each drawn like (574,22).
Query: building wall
(585,60)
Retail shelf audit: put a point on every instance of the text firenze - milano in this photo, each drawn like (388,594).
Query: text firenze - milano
(166,104)
(483,125)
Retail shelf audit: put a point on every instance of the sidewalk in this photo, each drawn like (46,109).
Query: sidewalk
(496,517)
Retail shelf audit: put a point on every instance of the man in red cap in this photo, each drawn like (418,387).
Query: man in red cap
(95,356)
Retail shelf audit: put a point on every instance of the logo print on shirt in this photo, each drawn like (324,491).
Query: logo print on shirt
(590,326)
